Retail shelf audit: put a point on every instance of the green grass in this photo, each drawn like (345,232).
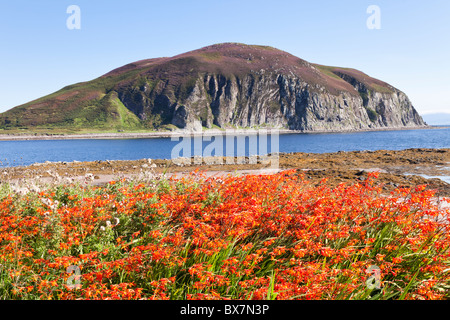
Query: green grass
(371,83)
(373,115)
(328,71)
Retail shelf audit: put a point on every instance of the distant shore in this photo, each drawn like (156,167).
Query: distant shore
(169,134)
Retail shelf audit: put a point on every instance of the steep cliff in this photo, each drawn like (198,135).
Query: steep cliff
(224,85)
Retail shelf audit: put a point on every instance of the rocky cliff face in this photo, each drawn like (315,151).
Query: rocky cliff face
(225,85)
(278,101)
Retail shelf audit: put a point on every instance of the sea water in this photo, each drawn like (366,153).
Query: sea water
(26,152)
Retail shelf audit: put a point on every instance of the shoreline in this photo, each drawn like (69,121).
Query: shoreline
(397,168)
(181,133)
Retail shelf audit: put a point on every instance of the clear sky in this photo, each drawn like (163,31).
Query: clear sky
(40,55)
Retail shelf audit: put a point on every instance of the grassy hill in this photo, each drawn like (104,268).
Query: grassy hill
(98,105)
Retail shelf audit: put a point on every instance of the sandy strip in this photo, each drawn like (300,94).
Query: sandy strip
(141,135)
(209,132)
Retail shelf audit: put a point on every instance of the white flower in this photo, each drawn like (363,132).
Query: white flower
(108,223)
(102,228)
(23,191)
(50,203)
(116,221)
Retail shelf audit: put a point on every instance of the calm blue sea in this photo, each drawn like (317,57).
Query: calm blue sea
(16,153)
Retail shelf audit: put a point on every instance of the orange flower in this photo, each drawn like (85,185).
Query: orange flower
(397,260)
(380,257)
(203,239)
(326,251)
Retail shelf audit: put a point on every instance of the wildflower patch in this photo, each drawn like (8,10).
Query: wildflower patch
(248,237)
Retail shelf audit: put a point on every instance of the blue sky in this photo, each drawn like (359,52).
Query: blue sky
(40,55)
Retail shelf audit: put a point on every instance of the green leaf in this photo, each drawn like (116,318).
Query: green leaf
(402,297)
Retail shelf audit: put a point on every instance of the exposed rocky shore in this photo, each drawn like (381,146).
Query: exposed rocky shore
(406,168)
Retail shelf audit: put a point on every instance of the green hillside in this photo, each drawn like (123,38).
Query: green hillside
(144,95)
